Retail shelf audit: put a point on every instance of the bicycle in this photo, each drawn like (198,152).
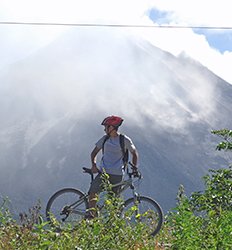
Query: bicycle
(70,205)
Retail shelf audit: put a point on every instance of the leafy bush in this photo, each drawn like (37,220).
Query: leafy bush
(226,135)
(107,231)
(217,196)
(204,221)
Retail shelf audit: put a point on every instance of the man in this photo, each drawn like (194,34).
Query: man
(113,157)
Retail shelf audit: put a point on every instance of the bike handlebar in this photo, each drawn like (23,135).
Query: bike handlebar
(134,173)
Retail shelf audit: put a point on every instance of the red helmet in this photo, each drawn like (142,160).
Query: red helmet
(115,121)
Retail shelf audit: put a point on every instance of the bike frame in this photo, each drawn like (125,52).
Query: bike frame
(80,207)
(129,183)
(125,184)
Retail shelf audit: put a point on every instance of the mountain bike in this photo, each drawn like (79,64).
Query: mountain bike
(69,205)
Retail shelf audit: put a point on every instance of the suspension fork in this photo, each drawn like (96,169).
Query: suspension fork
(136,196)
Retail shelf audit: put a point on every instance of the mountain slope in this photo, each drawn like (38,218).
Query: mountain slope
(52,104)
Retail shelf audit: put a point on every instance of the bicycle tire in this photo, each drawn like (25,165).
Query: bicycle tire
(145,210)
(61,200)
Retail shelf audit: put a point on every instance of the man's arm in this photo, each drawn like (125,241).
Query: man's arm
(93,157)
(134,154)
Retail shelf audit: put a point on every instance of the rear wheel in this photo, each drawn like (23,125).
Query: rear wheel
(146,211)
(66,208)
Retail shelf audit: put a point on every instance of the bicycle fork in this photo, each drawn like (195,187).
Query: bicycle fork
(135,194)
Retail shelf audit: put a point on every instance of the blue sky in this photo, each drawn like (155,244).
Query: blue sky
(220,39)
(158,16)
(213,48)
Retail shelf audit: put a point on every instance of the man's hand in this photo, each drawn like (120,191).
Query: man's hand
(94,168)
(135,172)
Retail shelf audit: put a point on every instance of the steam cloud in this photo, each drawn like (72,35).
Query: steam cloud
(80,78)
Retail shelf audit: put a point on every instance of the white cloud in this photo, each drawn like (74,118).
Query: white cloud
(72,10)
(196,13)
(24,40)
(195,45)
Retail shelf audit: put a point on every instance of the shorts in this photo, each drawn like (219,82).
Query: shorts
(97,184)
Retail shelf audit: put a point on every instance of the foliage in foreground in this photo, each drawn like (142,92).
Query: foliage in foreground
(203,221)
(104,232)
(108,233)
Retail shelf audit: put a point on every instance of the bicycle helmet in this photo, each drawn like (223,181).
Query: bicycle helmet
(115,121)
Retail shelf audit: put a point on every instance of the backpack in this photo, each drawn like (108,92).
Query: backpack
(122,145)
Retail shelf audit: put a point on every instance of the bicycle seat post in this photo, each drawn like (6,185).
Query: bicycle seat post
(88,171)
(91,177)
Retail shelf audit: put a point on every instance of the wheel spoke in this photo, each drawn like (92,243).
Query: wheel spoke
(66,207)
(146,211)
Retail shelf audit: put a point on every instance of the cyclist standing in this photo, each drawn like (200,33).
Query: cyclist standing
(114,148)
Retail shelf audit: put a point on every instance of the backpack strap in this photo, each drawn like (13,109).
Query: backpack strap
(124,151)
(103,144)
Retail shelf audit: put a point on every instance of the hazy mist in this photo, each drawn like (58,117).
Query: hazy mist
(52,103)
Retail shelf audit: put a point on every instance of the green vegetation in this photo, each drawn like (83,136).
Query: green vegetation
(226,135)
(202,221)
(104,232)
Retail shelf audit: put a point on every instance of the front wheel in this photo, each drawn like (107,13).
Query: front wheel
(66,207)
(146,211)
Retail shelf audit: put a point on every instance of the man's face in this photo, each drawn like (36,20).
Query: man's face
(108,129)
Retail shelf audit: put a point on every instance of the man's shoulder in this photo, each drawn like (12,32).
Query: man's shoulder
(103,138)
(126,138)
(101,141)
